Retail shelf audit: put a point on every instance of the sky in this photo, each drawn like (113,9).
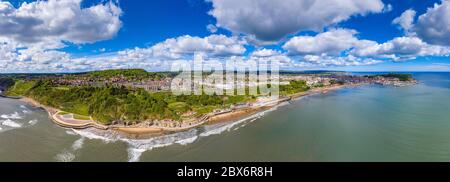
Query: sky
(348,35)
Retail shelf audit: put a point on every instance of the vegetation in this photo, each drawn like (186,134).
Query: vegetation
(20,88)
(6,82)
(294,87)
(339,82)
(401,77)
(108,104)
(130,74)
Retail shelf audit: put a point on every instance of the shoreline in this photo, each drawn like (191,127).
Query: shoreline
(144,132)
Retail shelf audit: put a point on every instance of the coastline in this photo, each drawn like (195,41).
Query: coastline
(144,132)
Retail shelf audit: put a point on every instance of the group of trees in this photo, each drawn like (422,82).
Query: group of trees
(131,74)
(6,83)
(295,86)
(401,77)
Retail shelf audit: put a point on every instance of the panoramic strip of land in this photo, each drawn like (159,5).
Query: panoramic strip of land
(134,101)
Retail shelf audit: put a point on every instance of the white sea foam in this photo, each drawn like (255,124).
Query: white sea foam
(10,123)
(88,133)
(26,111)
(70,132)
(78,144)
(23,107)
(187,140)
(138,146)
(134,154)
(14,115)
(32,122)
(65,156)
(1,128)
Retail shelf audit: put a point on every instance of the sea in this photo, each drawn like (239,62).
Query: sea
(370,123)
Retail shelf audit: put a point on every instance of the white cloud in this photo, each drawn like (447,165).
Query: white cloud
(337,43)
(434,26)
(265,53)
(400,48)
(388,8)
(59,20)
(31,34)
(271,20)
(406,20)
(176,48)
(332,42)
(211,28)
(349,60)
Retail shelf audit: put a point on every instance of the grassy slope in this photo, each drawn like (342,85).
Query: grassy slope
(20,88)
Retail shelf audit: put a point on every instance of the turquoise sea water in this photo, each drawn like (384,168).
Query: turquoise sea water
(368,123)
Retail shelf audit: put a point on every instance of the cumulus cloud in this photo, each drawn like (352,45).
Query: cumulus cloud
(211,28)
(337,43)
(349,60)
(434,26)
(332,42)
(59,20)
(176,48)
(31,34)
(406,20)
(400,48)
(271,20)
(265,53)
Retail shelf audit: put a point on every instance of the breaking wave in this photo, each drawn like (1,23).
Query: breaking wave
(10,123)
(68,155)
(32,122)
(78,144)
(70,132)
(138,146)
(65,156)
(14,115)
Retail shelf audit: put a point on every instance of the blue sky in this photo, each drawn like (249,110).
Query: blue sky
(80,35)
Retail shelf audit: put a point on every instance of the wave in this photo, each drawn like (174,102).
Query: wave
(187,140)
(23,107)
(78,144)
(220,128)
(70,132)
(95,134)
(32,122)
(10,123)
(14,115)
(65,156)
(135,154)
(138,146)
